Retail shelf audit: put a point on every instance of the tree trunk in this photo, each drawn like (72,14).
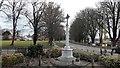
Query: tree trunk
(50,40)
(51,34)
(101,40)
(113,43)
(35,37)
(13,38)
(92,39)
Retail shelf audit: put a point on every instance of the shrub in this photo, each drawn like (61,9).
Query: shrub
(76,55)
(54,53)
(35,50)
(12,59)
(84,55)
(110,61)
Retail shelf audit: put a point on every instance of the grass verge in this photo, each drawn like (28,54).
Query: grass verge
(24,44)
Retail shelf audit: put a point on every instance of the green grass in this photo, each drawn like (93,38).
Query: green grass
(59,43)
(24,44)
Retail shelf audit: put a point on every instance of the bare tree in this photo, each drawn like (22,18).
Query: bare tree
(13,9)
(111,19)
(78,30)
(100,24)
(1,3)
(52,17)
(59,33)
(34,16)
(90,19)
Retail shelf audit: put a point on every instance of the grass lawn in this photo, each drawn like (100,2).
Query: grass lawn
(24,44)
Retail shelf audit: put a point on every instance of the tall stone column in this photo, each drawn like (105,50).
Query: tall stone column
(67,52)
(67,33)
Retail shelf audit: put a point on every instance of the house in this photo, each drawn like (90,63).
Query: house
(6,35)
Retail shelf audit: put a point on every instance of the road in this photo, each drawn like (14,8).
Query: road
(7,51)
(85,48)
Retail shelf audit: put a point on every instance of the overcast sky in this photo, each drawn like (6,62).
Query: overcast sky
(70,7)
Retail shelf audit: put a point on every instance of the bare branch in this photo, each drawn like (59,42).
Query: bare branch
(30,20)
(1,3)
(8,15)
(9,2)
(9,6)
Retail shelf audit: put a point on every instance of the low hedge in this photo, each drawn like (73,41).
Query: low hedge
(84,55)
(110,61)
(12,59)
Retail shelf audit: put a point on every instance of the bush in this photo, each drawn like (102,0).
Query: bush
(35,50)
(54,53)
(84,55)
(12,59)
(110,61)
(76,55)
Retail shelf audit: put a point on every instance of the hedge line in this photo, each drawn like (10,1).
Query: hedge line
(110,61)
(85,55)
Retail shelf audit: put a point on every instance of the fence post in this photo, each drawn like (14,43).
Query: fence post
(27,61)
(105,51)
(72,62)
(39,60)
(101,51)
(79,56)
(7,50)
(92,63)
(87,50)
(112,52)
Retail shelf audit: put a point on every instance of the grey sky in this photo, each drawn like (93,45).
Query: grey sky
(71,7)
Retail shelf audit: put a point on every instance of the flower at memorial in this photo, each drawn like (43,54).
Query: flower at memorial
(54,53)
